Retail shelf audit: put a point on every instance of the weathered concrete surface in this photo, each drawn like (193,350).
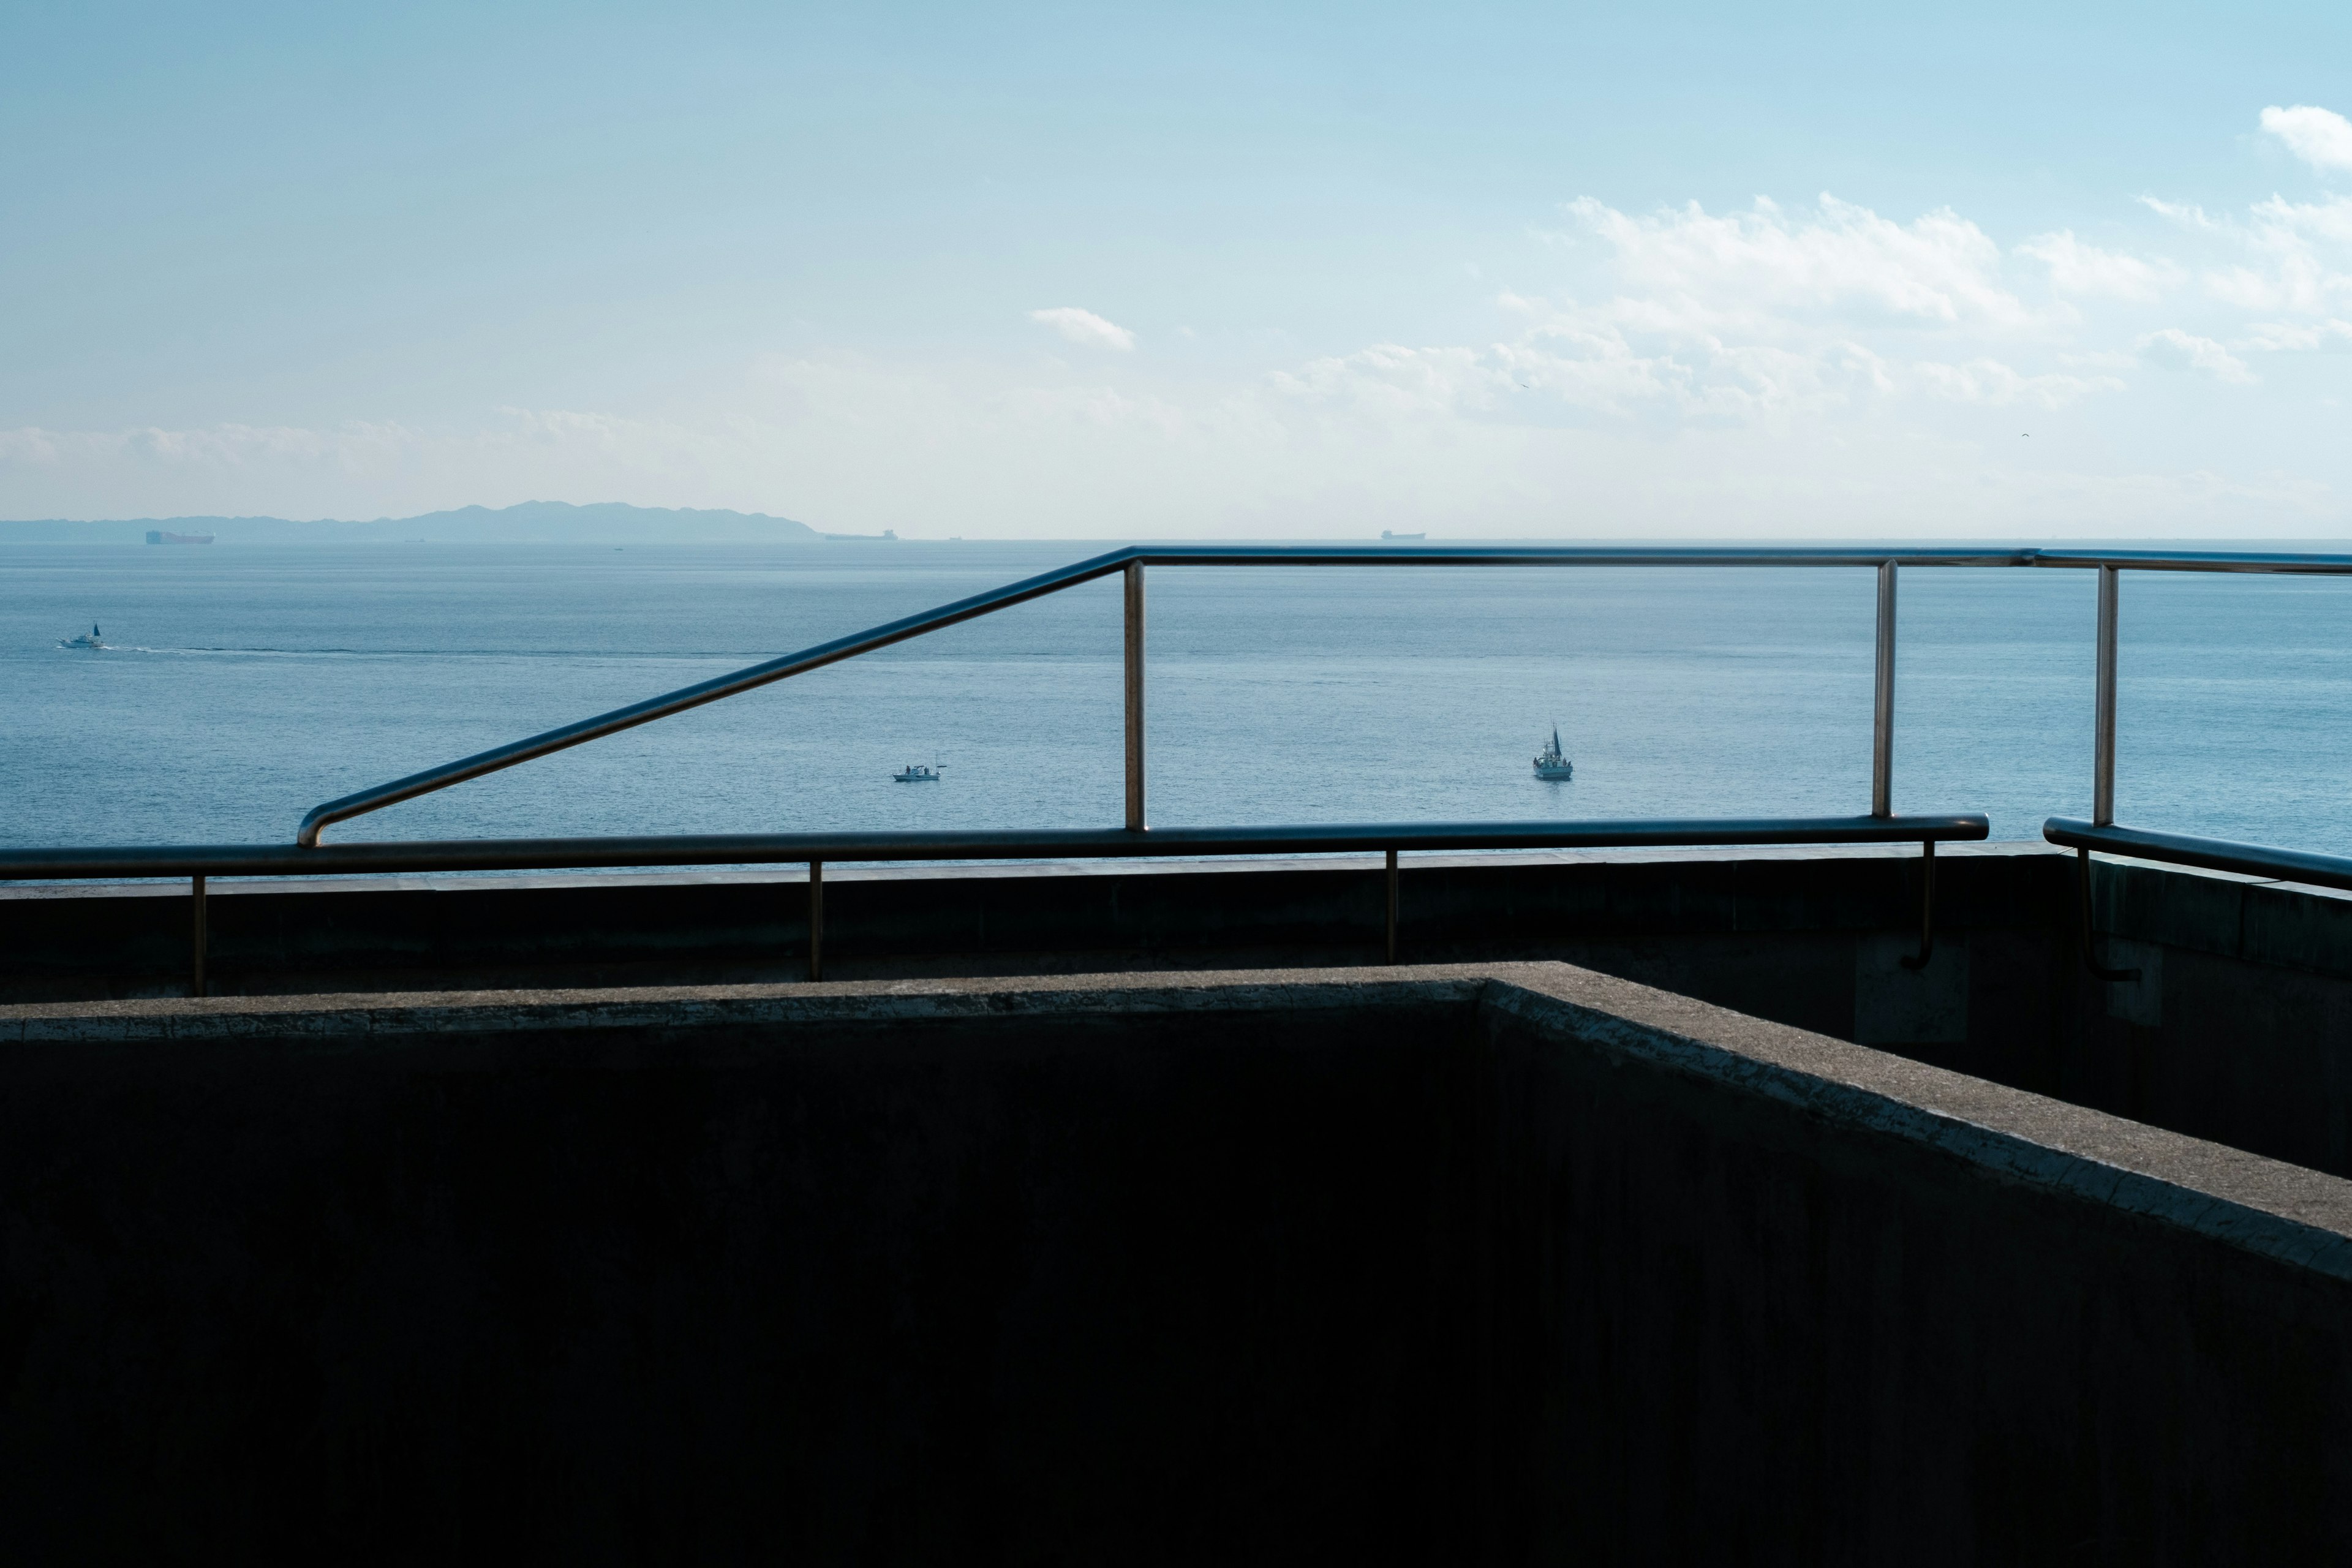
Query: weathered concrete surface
(1499,1264)
(2240,1027)
(840,1276)
(1766,1296)
(2240,1030)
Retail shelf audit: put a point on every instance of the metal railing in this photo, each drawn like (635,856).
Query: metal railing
(2171,849)
(1130,564)
(309,855)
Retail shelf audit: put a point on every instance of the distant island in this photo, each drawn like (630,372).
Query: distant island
(531,522)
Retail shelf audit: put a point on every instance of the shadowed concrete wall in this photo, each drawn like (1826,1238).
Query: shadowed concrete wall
(1445,1264)
(1812,938)
(992,1284)
(2240,1030)
(1755,1295)
(2240,1026)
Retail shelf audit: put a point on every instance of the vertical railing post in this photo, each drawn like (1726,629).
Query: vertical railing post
(1882,717)
(196,936)
(1134,575)
(2103,748)
(1393,904)
(816,920)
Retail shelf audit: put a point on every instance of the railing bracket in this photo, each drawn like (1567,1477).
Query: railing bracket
(1927,906)
(816,918)
(196,935)
(1392,905)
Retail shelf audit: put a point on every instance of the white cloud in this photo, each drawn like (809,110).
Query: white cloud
(2176,350)
(2324,221)
(1763,316)
(1581,363)
(2286,337)
(2290,255)
(365,469)
(1995,385)
(354,448)
(1819,370)
(1085,327)
(2188,215)
(2320,137)
(1841,262)
(2085,270)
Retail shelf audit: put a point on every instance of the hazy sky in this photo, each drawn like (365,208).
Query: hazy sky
(1989,270)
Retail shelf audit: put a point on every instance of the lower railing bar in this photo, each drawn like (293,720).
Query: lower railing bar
(1927,906)
(196,935)
(2206,854)
(816,920)
(1393,904)
(423,857)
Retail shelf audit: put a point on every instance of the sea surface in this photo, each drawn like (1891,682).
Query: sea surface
(245,685)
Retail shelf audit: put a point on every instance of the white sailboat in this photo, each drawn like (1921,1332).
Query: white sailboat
(1551,763)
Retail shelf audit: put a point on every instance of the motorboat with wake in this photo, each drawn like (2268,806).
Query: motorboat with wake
(90,641)
(1551,763)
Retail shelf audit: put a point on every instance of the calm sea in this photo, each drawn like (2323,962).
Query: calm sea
(246,684)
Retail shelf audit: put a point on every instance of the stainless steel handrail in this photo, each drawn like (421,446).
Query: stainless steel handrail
(700,692)
(2278,563)
(2207,854)
(2176,848)
(1131,561)
(1052,844)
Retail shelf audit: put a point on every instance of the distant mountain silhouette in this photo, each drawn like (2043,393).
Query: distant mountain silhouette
(533,522)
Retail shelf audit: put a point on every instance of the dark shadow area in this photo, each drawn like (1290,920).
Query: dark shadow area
(1428,1268)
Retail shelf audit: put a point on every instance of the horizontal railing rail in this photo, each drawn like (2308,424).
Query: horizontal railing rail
(2206,854)
(1055,844)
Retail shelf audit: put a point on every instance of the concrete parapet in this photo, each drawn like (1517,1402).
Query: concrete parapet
(2239,1029)
(1493,1263)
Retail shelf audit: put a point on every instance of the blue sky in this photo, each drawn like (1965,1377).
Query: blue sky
(1247,271)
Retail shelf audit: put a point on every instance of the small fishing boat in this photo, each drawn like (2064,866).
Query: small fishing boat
(1551,763)
(916,773)
(90,641)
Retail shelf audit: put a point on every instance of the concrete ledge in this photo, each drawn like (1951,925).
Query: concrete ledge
(1499,1262)
(2297,1215)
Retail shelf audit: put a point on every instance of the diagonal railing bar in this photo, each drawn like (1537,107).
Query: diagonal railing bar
(712,690)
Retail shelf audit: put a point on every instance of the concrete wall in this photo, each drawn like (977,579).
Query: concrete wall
(1755,1295)
(804,1282)
(1809,937)
(2240,1030)
(1499,1265)
(2240,1026)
